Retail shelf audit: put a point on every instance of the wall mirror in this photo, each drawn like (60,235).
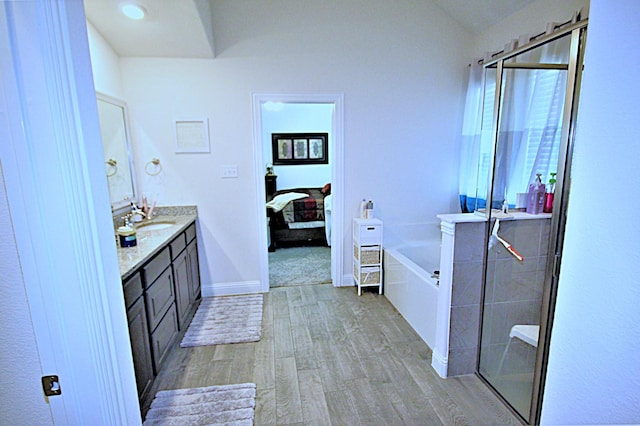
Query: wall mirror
(116,145)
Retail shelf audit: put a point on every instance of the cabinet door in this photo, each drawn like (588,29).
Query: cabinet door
(139,335)
(181,278)
(159,297)
(194,271)
(163,337)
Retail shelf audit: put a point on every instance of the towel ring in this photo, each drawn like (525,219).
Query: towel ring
(154,162)
(112,167)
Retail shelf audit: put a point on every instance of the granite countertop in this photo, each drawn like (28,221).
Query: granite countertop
(150,242)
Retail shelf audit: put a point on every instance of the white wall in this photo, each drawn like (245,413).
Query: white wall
(400,66)
(105,64)
(594,373)
(297,118)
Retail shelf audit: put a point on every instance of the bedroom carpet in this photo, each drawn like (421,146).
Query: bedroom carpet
(228,319)
(295,266)
(213,405)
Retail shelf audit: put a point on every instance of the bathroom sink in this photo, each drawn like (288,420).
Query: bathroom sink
(154,226)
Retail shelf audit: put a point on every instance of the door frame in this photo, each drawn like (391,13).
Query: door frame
(337,176)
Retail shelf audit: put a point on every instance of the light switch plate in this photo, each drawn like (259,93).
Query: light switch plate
(230,171)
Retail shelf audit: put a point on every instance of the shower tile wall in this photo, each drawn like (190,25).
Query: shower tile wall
(519,304)
(514,293)
(466,290)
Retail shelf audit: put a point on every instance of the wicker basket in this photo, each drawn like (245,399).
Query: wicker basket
(369,275)
(370,255)
(367,255)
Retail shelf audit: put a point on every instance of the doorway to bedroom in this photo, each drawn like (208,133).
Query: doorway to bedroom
(296,140)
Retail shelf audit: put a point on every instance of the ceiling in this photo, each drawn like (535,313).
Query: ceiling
(172,28)
(478,15)
(183,28)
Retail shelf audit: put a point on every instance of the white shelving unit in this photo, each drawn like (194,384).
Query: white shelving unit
(367,253)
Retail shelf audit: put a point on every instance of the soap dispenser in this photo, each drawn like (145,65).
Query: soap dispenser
(535,200)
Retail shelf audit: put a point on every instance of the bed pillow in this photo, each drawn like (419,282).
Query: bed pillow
(326,190)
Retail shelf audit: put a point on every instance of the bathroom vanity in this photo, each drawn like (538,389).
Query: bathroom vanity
(161,283)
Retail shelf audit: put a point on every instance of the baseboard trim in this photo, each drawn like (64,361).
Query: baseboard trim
(347,281)
(440,364)
(232,288)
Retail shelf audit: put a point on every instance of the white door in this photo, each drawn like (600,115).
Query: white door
(67,313)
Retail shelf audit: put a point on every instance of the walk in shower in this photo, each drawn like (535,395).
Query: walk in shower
(530,102)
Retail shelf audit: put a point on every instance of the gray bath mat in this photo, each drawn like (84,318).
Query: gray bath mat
(228,319)
(213,405)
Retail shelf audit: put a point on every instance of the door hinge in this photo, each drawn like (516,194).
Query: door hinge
(51,385)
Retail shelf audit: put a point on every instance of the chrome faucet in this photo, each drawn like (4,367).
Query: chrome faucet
(135,210)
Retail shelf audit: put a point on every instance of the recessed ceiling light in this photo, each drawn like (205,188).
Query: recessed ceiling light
(133,11)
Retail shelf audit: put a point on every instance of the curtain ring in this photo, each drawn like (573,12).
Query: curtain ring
(112,167)
(154,162)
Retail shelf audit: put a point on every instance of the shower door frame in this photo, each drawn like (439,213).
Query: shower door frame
(578,33)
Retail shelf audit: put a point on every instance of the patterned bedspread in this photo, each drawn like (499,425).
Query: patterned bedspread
(307,209)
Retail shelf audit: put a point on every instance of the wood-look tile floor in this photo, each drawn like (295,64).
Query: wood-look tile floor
(329,357)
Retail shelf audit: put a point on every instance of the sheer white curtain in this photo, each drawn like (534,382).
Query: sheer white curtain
(530,127)
(471,151)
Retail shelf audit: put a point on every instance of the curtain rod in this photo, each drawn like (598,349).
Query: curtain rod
(533,40)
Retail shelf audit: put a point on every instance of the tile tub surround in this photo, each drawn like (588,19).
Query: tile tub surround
(150,242)
(461,279)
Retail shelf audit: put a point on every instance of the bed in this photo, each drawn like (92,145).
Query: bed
(297,217)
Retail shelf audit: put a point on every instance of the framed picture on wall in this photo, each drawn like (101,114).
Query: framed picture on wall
(300,148)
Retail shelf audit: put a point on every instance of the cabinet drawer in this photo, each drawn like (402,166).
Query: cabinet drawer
(132,289)
(191,232)
(177,245)
(369,234)
(154,268)
(159,298)
(163,336)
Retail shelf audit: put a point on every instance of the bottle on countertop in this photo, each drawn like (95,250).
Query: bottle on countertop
(548,200)
(363,209)
(369,210)
(535,200)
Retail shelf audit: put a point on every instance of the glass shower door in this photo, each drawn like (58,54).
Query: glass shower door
(532,127)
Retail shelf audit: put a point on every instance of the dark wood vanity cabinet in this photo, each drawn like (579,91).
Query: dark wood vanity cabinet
(139,334)
(184,254)
(161,298)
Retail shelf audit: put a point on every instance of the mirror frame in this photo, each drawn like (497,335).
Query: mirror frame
(121,204)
